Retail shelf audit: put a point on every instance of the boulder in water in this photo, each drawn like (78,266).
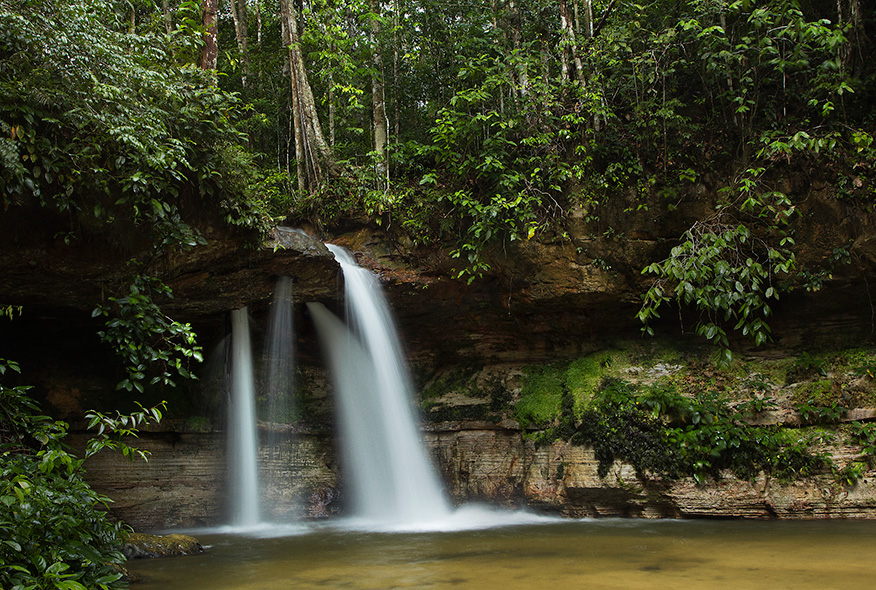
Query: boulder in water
(139,545)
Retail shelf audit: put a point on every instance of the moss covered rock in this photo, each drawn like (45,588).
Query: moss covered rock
(142,545)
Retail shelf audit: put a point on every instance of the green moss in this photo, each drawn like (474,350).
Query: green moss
(644,352)
(541,395)
(583,375)
(694,419)
(544,386)
(853,358)
(819,392)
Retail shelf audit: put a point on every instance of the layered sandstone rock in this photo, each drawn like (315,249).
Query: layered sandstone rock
(183,484)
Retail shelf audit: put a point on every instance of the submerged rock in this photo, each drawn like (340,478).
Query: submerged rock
(138,545)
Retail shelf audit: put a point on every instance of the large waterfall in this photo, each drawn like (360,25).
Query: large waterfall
(242,440)
(389,473)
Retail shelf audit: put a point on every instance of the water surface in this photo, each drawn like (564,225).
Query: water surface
(549,555)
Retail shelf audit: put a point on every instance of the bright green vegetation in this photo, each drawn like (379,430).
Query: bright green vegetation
(473,126)
(545,388)
(662,432)
(465,126)
(691,418)
(110,127)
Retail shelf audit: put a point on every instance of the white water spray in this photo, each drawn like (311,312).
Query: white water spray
(390,474)
(242,440)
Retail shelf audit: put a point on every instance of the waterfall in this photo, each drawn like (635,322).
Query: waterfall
(278,387)
(243,448)
(279,361)
(390,475)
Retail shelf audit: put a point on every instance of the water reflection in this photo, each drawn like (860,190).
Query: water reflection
(590,554)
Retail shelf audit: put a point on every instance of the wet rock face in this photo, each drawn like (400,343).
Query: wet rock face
(58,284)
(500,466)
(223,275)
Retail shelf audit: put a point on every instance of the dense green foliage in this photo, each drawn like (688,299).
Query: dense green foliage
(55,531)
(106,126)
(661,432)
(146,338)
(111,129)
(726,272)
(493,139)
(502,120)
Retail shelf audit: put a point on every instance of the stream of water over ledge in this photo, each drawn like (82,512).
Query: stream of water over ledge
(555,554)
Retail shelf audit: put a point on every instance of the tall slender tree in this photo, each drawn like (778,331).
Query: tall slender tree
(378,101)
(239,16)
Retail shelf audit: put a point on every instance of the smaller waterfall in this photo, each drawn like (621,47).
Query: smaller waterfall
(277,381)
(391,477)
(243,444)
(279,360)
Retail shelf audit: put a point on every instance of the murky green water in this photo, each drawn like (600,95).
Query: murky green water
(550,556)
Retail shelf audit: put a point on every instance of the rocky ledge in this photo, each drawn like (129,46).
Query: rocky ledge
(42,271)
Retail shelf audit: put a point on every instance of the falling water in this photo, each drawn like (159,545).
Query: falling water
(277,387)
(279,361)
(243,450)
(391,477)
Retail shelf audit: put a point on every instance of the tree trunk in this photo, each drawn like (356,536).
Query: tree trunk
(569,41)
(377,97)
(168,19)
(238,15)
(852,55)
(395,101)
(517,50)
(566,34)
(258,22)
(311,150)
(331,103)
(301,172)
(210,52)
(588,18)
